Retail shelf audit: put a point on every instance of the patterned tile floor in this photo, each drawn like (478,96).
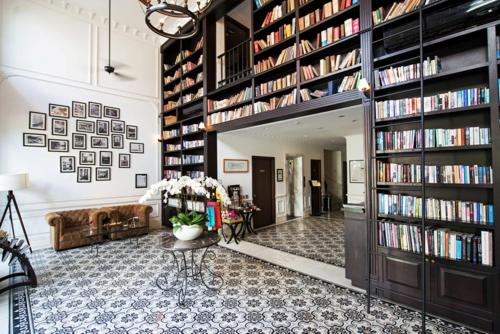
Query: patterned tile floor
(317,238)
(116,293)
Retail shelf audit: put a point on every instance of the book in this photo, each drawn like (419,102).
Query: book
(275,85)
(283,32)
(243,95)
(382,14)
(224,116)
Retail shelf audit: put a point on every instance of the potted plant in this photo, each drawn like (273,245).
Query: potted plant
(188,226)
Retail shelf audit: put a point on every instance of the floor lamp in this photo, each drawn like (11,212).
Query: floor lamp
(9,183)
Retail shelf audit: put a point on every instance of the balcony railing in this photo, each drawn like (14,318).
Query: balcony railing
(234,64)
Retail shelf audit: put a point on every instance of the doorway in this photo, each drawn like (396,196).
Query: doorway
(294,187)
(263,190)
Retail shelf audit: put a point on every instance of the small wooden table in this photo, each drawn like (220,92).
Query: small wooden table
(247,216)
(233,224)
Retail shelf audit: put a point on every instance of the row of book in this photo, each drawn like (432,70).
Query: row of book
(243,95)
(220,117)
(169,93)
(191,128)
(195,174)
(283,32)
(169,105)
(169,78)
(328,9)
(192,96)
(394,75)
(189,66)
(193,143)
(337,5)
(171,174)
(331,64)
(348,82)
(382,14)
(277,84)
(172,147)
(446,174)
(192,159)
(276,102)
(278,12)
(269,62)
(171,133)
(172,161)
(436,209)
(333,34)
(439,242)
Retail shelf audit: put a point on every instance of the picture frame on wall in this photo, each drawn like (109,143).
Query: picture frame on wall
(102,128)
(87,158)
(111,112)
(34,139)
(279,175)
(99,142)
(124,160)
(37,121)
(117,141)
(58,145)
(85,126)
(103,174)
(79,109)
(141,181)
(132,132)
(67,164)
(136,147)
(356,171)
(106,158)
(79,141)
(117,126)
(58,110)
(95,110)
(59,127)
(235,165)
(84,175)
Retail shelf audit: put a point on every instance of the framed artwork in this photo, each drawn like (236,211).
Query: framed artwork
(106,158)
(356,171)
(58,145)
(84,175)
(132,132)
(99,142)
(57,110)
(79,141)
(136,148)
(95,110)
(117,126)
(103,174)
(79,109)
(117,141)
(38,121)
(85,126)
(235,165)
(111,112)
(34,140)
(59,127)
(67,164)
(102,128)
(141,180)
(124,160)
(279,175)
(87,158)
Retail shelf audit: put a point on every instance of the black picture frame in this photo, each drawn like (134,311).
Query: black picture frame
(101,169)
(79,175)
(138,181)
(105,140)
(80,122)
(59,110)
(87,163)
(44,125)
(62,169)
(279,175)
(128,134)
(26,139)
(122,157)
(73,141)
(120,141)
(111,112)
(53,141)
(95,110)
(101,157)
(65,127)
(79,109)
(117,123)
(139,150)
(98,130)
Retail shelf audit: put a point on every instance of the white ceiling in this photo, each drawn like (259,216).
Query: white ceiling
(327,129)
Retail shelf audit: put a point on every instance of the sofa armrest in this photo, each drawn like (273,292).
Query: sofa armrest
(143,212)
(54,219)
(98,217)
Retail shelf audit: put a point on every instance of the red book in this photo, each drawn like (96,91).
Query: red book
(342,4)
(318,40)
(336,33)
(348,3)
(355,26)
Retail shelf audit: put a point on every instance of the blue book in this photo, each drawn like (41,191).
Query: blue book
(356,1)
(490,215)
(459,248)
(332,89)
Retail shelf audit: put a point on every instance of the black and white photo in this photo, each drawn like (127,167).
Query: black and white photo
(58,145)
(106,158)
(103,174)
(117,126)
(79,141)
(136,148)
(38,121)
(95,110)
(117,141)
(111,112)
(34,140)
(102,128)
(99,142)
(141,180)
(67,164)
(124,160)
(87,158)
(132,132)
(57,110)
(84,175)
(59,127)
(79,109)
(85,126)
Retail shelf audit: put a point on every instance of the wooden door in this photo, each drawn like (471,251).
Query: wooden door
(316,170)
(263,191)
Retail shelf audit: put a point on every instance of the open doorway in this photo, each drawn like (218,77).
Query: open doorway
(294,187)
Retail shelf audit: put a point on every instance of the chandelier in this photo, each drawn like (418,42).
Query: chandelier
(166,10)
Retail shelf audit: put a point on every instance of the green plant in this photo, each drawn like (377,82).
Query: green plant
(189,219)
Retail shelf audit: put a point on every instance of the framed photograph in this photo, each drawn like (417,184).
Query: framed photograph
(85,126)
(87,158)
(79,141)
(79,109)
(102,128)
(59,127)
(68,164)
(235,166)
(279,175)
(356,171)
(234,192)
(124,160)
(95,110)
(117,126)
(38,121)
(57,110)
(34,140)
(136,148)
(117,141)
(99,142)
(111,112)
(106,158)
(141,180)
(103,174)
(84,175)
(58,145)
(132,132)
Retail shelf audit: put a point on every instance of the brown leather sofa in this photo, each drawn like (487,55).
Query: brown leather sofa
(124,213)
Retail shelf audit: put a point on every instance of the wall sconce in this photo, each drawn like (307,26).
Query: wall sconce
(201,126)
(364,86)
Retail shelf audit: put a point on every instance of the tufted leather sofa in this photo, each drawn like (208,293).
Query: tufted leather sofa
(125,212)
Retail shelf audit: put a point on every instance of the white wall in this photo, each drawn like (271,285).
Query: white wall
(355,151)
(55,54)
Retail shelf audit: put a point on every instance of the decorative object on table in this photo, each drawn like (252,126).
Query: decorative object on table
(136,147)
(79,109)
(132,132)
(38,121)
(59,127)
(87,158)
(188,226)
(79,141)
(15,250)
(102,127)
(103,174)
(106,158)
(57,110)
(356,171)
(34,140)
(67,164)
(99,142)
(117,141)
(111,112)
(235,165)
(84,175)
(231,219)
(279,175)
(214,216)
(58,145)
(234,191)
(141,180)
(95,110)
(85,126)
(123,160)
(9,183)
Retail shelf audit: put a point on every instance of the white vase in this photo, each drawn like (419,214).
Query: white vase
(190,232)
